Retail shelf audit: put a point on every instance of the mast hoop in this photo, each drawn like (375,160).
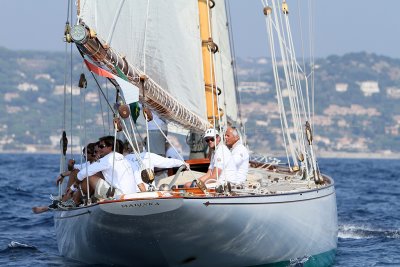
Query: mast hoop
(211,45)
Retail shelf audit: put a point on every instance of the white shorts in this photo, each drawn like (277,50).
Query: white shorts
(102,187)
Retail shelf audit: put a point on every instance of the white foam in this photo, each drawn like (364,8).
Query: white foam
(352,231)
(15,244)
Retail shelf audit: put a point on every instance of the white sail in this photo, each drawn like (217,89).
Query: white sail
(160,38)
(224,60)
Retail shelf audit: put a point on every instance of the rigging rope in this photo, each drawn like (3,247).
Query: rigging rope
(71,63)
(145,36)
(176,151)
(110,36)
(85,143)
(284,127)
(279,25)
(101,109)
(213,86)
(147,133)
(63,126)
(113,166)
(235,77)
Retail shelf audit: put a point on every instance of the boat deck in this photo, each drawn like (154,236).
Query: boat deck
(259,182)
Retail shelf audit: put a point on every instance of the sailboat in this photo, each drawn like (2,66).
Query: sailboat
(177,54)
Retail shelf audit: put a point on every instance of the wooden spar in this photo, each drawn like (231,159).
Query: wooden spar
(208,64)
(150,92)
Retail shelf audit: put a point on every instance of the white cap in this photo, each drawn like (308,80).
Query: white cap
(210,133)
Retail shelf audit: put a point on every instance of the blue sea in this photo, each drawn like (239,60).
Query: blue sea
(368,199)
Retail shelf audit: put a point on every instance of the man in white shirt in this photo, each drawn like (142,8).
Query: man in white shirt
(151,161)
(240,154)
(222,167)
(117,172)
(91,152)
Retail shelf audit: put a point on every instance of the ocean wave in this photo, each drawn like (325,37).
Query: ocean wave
(18,245)
(365,232)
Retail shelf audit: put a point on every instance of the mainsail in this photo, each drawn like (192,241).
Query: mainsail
(163,43)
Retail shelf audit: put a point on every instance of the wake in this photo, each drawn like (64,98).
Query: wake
(14,245)
(366,232)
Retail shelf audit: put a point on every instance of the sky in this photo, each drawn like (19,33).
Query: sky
(341,26)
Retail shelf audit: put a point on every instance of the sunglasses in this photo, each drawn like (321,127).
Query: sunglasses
(102,146)
(209,139)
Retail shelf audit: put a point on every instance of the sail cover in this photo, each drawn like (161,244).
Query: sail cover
(223,65)
(159,37)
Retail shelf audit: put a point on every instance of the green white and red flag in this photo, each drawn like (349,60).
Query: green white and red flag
(130,92)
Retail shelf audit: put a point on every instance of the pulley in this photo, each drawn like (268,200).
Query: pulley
(309,133)
(147,176)
(64,141)
(117,124)
(147,114)
(124,111)
(285,8)
(67,35)
(82,81)
(300,157)
(267,10)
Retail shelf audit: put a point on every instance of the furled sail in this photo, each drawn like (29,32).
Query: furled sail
(161,40)
(224,62)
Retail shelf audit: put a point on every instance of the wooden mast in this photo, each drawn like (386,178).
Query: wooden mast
(195,141)
(208,65)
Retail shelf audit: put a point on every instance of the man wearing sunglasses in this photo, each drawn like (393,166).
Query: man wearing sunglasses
(74,168)
(72,192)
(222,168)
(116,170)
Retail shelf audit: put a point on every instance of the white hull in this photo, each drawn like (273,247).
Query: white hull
(217,231)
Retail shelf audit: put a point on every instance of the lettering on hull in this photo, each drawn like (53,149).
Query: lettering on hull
(140,205)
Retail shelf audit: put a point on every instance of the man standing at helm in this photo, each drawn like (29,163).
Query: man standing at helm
(240,154)
(222,168)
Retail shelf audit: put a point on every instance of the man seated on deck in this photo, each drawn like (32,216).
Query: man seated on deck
(240,154)
(150,161)
(222,168)
(116,170)
(91,153)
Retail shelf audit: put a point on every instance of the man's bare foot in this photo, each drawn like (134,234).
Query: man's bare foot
(41,209)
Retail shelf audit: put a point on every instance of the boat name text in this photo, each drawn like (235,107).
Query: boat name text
(140,205)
